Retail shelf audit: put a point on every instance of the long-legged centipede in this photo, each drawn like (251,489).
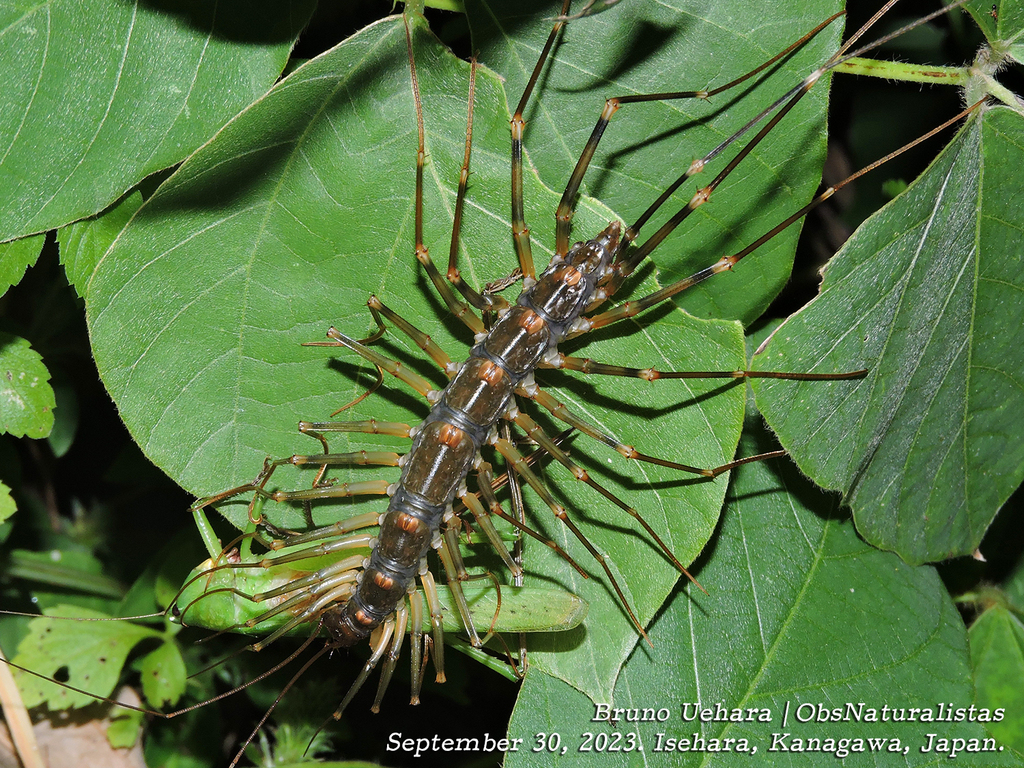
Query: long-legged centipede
(434,152)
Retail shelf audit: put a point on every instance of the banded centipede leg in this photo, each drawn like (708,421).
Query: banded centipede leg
(415,645)
(336,590)
(437,629)
(448,552)
(520,232)
(380,311)
(319,490)
(593,368)
(484,302)
(339,491)
(354,523)
(312,581)
(632,308)
(379,641)
(538,435)
(460,309)
(567,204)
(519,512)
(625,265)
(401,622)
(557,409)
(394,367)
(518,464)
(483,519)
(487,482)
(315,429)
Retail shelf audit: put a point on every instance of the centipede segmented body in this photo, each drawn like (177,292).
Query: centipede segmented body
(462,421)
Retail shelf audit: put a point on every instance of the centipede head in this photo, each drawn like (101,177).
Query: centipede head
(342,633)
(594,255)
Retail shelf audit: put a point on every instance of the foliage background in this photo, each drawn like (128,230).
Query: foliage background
(87,492)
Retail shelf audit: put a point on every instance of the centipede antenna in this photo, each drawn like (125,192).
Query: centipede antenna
(460,309)
(277,701)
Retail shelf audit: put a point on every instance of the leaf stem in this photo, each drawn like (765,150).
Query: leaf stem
(909,73)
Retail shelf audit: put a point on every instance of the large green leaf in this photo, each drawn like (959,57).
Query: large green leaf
(99,95)
(15,258)
(83,243)
(828,623)
(303,205)
(90,655)
(927,297)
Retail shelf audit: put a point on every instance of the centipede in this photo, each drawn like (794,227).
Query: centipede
(595,354)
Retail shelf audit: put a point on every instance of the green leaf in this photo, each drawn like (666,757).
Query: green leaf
(125,728)
(303,205)
(1002,24)
(83,243)
(86,654)
(1013,588)
(7,504)
(997,653)
(26,398)
(163,675)
(16,257)
(65,421)
(65,569)
(149,84)
(832,621)
(927,297)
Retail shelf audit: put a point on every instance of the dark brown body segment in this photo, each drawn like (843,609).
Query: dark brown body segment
(448,441)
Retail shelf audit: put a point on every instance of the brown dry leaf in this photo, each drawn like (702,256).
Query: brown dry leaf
(76,740)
